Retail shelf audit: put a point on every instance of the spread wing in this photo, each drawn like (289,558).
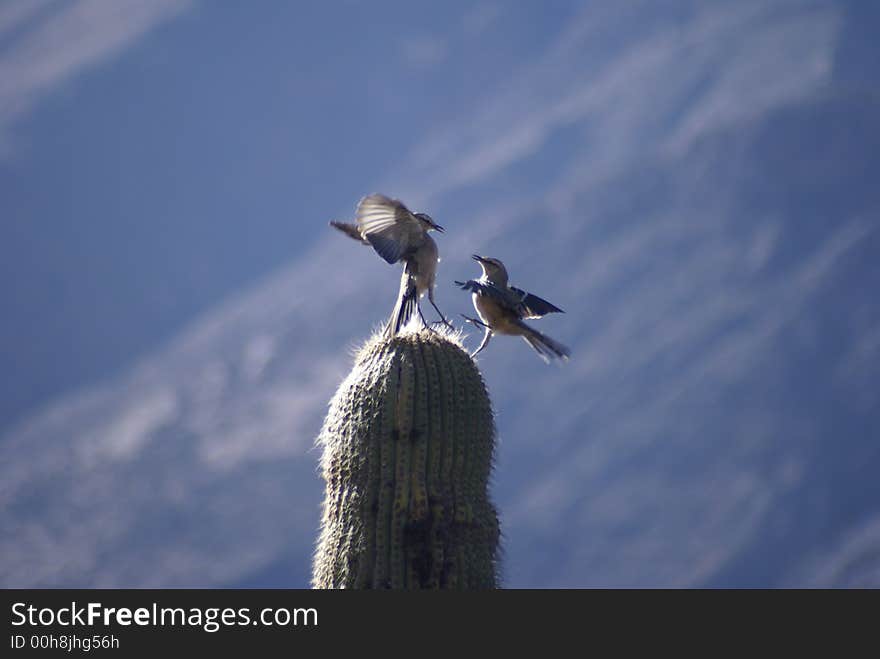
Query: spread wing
(389,226)
(488,289)
(532,306)
(469,285)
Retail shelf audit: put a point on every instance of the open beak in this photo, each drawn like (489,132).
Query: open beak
(437,227)
(477,258)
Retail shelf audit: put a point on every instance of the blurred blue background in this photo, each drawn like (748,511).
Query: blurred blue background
(695,183)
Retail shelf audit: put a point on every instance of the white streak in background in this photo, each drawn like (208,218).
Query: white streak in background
(776,65)
(766,59)
(14,13)
(424,51)
(675,319)
(258,354)
(763,244)
(132,427)
(854,562)
(66,41)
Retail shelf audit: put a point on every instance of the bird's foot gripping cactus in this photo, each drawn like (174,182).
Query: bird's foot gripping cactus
(408,444)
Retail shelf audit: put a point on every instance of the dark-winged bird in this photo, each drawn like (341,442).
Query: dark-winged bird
(502,309)
(398,234)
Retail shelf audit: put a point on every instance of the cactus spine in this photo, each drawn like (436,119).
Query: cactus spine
(408,444)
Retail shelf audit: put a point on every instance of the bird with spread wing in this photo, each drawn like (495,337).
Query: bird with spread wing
(397,234)
(502,309)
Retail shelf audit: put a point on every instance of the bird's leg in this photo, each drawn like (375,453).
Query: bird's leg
(485,342)
(475,321)
(424,322)
(433,304)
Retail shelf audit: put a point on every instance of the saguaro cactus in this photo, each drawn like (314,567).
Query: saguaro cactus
(408,444)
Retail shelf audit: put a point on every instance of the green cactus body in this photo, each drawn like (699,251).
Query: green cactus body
(408,445)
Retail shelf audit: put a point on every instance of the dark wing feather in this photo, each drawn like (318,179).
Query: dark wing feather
(487,289)
(469,285)
(389,249)
(533,306)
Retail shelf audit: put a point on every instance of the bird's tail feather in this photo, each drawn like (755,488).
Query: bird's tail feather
(406,305)
(546,347)
(350,230)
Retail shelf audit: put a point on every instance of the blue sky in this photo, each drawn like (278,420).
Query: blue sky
(691,181)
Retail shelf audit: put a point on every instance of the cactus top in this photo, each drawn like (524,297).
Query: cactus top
(407,453)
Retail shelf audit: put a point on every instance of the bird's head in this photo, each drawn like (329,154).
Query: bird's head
(427,223)
(493,269)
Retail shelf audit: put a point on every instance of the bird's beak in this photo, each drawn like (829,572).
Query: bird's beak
(437,227)
(477,258)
